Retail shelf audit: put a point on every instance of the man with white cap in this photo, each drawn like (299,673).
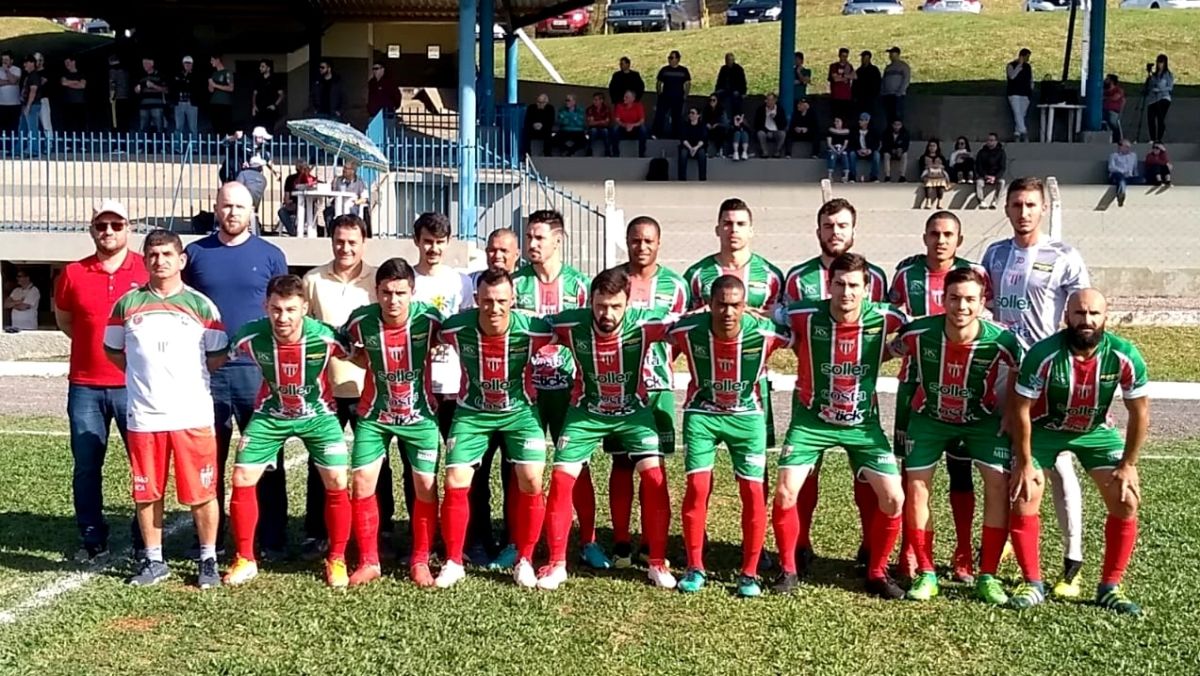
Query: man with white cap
(184,93)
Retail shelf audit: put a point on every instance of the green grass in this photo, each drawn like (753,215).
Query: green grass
(23,35)
(287,622)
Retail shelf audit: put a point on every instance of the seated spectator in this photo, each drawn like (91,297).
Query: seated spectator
(1122,169)
(303,179)
(803,128)
(864,145)
(22,303)
(770,127)
(990,164)
(715,121)
(933,150)
(1158,165)
(255,181)
(570,134)
(934,178)
(629,122)
(598,118)
(539,125)
(962,164)
(349,182)
(837,141)
(1112,105)
(895,149)
(693,146)
(740,135)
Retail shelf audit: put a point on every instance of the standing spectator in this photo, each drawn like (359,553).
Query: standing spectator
(933,176)
(539,125)
(74,97)
(990,164)
(625,79)
(185,92)
(841,84)
(864,145)
(120,95)
(1019,89)
(739,133)
(802,76)
(23,303)
(1123,169)
(895,149)
(731,85)
(45,116)
(303,179)
(31,86)
(1159,84)
(267,99)
(232,267)
(770,127)
(1113,104)
(693,146)
(83,300)
(717,124)
(327,99)
(256,182)
(570,132)
(803,128)
(1158,165)
(152,98)
(630,122)
(673,84)
(10,93)
(962,163)
(598,118)
(360,208)
(383,94)
(867,83)
(837,140)
(220,98)
(896,78)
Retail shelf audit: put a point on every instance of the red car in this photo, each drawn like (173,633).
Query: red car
(575,22)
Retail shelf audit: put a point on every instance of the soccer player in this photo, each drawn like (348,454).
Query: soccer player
(393,340)
(167,337)
(735,230)
(1063,398)
(610,342)
(293,352)
(496,348)
(1031,279)
(953,360)
(727,351)
(840,346)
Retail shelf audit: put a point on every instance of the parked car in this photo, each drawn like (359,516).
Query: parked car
(575,22)
(1160,4)
(653,15)
(753,11)
(968,6)
(98,27)
(1053,5)
(872,7)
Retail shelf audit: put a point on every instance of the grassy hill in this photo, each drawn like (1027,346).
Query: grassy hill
(23,35)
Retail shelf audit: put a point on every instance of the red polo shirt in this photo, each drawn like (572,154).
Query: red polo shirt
(633,113)
(87,291)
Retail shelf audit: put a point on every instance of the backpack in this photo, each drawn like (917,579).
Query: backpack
(660,170)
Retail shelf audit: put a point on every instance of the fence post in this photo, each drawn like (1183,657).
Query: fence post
(614,220)
(1056,217)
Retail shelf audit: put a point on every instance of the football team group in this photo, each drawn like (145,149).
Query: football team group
(1005,366)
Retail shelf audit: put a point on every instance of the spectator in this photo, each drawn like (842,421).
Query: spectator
(74,97)
(152,99)
(864,145)
(31,141)
(1158,165)
(10,93)
(693,146)
(673,85)
(349,181)
(624,79)
(933,150)
(933,176)
(255,180)
(717,124)
(1123,169)
(23,303)
(739,132)
(841,83)
(237,156)
(990,164)
(895,149)
(837,141)
(1019,89)
(258,144)
(962,164)
(896,77)
(119,95)
(1113,104)
(803,128)
(220,97)
(303,179)
(185,94)
(731,85)
(802,76)
(383,95)
(867,83)
(570,130)
(539,125)
(327,99)
(1159,84)
(267,99)
(45,118)
(770,127)
(599,118)
(630,122)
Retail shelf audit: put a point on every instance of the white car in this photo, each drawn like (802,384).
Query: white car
(872,7)
(968,6)
(1160,4)
(1053,5)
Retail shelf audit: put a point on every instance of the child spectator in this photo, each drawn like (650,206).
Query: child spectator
(934,178)
(1158,165)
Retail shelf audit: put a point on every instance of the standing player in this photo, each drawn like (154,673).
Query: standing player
(496,347)
(840,346)
(293,351)
(735,230)
(1031,279)
(1063,398)
(167,338)
(392,340)
(727,352)
(953,360)
(610,343)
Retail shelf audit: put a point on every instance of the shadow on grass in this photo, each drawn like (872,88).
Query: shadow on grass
(40,542)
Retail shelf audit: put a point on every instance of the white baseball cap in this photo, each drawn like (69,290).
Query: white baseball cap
(110,207)
(188,59)
(260,132)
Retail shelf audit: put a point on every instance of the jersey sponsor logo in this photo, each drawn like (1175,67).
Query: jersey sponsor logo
(264,357)
(873,330)
(728,385)
(701,352)
(757,286)
(810,289)
(427,455)
(839,417)
(838,396)
(468,350)
(583,347)
(612,378)
(316,356)
(372,341)
(845,369)
(957,391)
(398,376)
(916,287)
(535,444)
(1013,302)
(1109,377)
(1043,267)
(821,332)
(293,390)
(929,353)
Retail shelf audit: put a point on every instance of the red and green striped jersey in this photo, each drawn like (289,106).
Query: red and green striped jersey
(764,282)
(956,382)
(666,290)
(810,281)
(837,364)
(553,367)
(1074,395)
(497,374)
(295,376)
(727,375)
(919,291)
(397,390)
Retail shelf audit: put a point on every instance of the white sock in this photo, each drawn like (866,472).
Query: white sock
(1068,505)
(154,553)
(208,552)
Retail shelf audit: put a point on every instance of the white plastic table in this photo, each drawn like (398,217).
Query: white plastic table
(311,201)
(1074,120)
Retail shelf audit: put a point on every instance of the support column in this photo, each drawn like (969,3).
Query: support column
(1094,112)
(487,61)
(787,56)
(511,45)
(468,183)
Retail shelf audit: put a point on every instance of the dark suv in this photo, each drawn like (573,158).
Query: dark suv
(653,15)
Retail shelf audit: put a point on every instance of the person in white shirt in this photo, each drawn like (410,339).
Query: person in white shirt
(10,93)
(23,302)
(770,127)
(350,182)
(1123,169)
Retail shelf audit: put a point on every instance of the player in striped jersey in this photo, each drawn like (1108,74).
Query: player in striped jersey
(1063,400)
(735,230)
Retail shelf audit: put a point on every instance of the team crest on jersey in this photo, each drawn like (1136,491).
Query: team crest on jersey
(493,363)
(846,346)
(725,364)
(608,357)
(396,353)
(1083,391)
(290,370)
(206,476)
(955,369)
(137,319)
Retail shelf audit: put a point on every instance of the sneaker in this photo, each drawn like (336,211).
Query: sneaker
(885,588)
(524,574)
(208,577)
(593,556)
(420,575)
(748,587)
(149,573)
(366,573)
(964,567)
(989,590)
(92,555)
(924,587)
(193,553)
(336,575)
(451,574)
(313,549)
(476,555)
(661,577)
(786,583)
(1112,597)
(1068,587)
(507,558)
(241,572)
(693,581)
(804,561)
(622,556)
(1027,595)
(551,577)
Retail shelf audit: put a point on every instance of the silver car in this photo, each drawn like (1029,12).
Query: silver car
(872,7)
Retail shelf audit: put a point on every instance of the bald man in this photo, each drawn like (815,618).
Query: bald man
(232,267)
(1063,396)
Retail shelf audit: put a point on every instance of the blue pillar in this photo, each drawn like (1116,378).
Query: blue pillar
(487,61)
(511,44)
(787,56)
(1094,90)
(468,182)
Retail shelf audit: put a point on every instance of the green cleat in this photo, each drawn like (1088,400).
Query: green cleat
(989,590)
(923,588)
(1027,595)
(748,587)
(1112,597)
(1068,588)
(593,556)
(505,560)
(692,582)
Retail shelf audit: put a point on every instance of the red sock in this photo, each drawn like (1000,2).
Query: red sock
(1026,532)
(868,505)
(584,499)
(695,517)
(806,507)
(787,527)
(424,525)
(1119,536)
(366,529)
(455,515)
(243,512)
(991,549)
(656,512)
(906,545)
(337,521)
(620,501)
(962,507)
(754,524)
(922,544)
(884,532)
(558,516)
(532,515)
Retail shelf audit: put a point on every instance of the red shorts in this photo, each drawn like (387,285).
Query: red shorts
(195,452)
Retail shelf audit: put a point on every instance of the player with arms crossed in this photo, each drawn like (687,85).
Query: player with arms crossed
(293,351)
(1063,398)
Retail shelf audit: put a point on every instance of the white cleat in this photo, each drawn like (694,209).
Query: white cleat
(452,573)
(552,577)
(525,575)
(660,576)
